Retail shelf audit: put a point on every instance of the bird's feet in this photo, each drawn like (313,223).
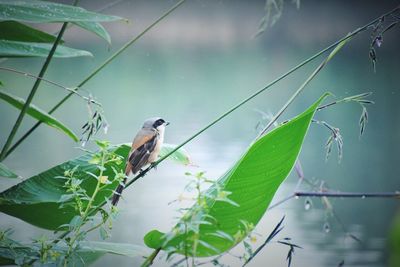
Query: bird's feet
(153,165)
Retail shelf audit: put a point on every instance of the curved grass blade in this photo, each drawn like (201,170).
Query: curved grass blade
(252,181)
(38,114)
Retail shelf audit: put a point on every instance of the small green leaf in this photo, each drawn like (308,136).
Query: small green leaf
(6,172)
(38,114)
(16,31)
(31,49)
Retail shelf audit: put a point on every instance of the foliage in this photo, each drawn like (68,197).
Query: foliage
(69,196)
(64,191)
(41,250)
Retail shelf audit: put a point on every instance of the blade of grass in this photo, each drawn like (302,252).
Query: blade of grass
(306,82)
(97,70)
(24,109)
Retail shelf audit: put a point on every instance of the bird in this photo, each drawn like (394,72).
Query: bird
(145,149)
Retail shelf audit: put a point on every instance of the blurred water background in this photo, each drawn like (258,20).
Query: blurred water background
(192,67)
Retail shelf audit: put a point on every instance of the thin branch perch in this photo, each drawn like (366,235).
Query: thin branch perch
(348,194)
(335,194)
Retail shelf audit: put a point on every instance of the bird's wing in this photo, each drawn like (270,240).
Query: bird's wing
(140,155)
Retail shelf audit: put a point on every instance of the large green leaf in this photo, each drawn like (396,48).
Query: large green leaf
(6,172)
(37,199)
(15,31)
(31,49)
(38,114)
(35,11)
(252,181)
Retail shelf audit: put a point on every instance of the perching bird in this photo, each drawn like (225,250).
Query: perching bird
(145,148)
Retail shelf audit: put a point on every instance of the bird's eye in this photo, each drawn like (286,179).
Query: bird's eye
(159,122)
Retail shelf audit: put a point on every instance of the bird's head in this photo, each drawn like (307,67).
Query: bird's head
(155,123)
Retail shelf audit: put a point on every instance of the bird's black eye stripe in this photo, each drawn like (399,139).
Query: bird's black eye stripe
(158,122)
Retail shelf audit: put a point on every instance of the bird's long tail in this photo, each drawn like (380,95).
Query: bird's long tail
(118,192)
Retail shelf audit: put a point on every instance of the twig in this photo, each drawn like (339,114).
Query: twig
(348,194)
(301,88)
(281,201)
(337,195)
(71,90)
(98,69)
(176,264)
(274,232)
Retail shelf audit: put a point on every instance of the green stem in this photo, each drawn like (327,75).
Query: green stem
(150,259)
(71,90)
(86,213)
(24,109)
(98,69)
(293,97)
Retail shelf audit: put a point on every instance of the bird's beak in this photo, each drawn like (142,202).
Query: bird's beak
(166,123)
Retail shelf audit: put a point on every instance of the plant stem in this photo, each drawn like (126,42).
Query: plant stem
(306,82)
(71,90)
(150,259)
(395,195)
(24,109)
(97,70)
(88,207)
(348,194)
